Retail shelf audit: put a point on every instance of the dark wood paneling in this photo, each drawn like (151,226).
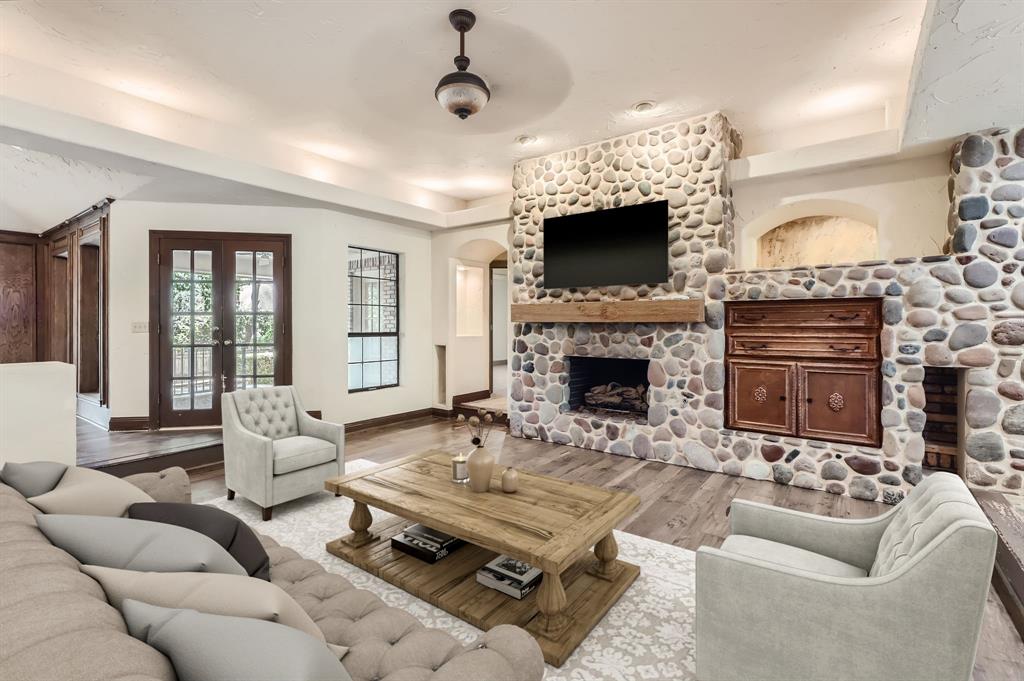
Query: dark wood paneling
(761,396)
(125,423)
(839,403)
(18,291)
(58,309)
(845,314)
(89,319)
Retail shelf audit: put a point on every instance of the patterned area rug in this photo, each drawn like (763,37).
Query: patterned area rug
(646,636)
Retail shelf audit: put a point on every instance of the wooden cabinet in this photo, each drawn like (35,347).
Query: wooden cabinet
(804,368)
(761,396)
(838,402)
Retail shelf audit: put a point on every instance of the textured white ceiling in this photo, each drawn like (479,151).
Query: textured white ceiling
(354,80)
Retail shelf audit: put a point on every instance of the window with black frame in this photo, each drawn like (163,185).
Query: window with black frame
(372,319)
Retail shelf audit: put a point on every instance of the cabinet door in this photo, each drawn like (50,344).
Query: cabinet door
(761,396)
(839,403)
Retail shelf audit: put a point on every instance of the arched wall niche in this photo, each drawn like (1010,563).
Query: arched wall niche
(811,232)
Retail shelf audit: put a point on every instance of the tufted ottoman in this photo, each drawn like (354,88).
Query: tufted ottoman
(388,644)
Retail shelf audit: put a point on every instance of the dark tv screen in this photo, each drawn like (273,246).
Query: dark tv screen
(611,247)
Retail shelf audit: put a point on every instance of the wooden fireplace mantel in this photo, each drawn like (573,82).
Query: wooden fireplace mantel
(667,311)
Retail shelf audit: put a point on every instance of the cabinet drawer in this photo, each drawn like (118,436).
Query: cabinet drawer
(760,396)
(803,346)
(839,403)
(858,313)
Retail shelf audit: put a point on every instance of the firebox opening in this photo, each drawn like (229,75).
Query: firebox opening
(608,384)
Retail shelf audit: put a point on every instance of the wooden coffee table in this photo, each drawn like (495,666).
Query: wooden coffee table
(549,523)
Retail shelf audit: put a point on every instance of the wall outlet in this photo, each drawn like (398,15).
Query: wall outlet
(140,327)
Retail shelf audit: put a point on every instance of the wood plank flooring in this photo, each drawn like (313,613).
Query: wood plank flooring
(681,506)
(97,446)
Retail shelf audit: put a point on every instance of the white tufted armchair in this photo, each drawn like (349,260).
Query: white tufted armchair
(273,450)
(796,596)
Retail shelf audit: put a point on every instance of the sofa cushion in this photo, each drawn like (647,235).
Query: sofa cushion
(83,491)
(789,556)
(169,485)
(218,648)
(301,451)
(136,544)
(214,594)
(57,624)
(226,529)
(33,478)
(269,412)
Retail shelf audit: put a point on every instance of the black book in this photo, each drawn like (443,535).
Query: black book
(426,544)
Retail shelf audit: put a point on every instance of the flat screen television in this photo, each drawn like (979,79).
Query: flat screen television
(611,247)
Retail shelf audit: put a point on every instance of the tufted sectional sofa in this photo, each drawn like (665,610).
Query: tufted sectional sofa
(58,626)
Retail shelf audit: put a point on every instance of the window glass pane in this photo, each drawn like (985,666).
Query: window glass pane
(203,265)
(355,319)
(355,376)
(181,360)
(371,318)
(389,266)
(389,293)
(265,266)
(353,262)
(371,266)
(389,319)
(204,297)
(181,296)
(181,265)
(244,359)
(204,362)
(265,361)
(243,265)
(388,347)
(371,292)
(371,349)
(243,297)
(265,297)
(181,332)
(265,328)
(355,350)
(264,380)
(388,373)
(243,329)
(181,396)
(203,388)
(202,326)
(355,290)
(243,382)
(371,375)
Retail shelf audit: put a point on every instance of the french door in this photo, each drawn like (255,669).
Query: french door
(221,306)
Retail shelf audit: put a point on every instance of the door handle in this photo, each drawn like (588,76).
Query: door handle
(228,341)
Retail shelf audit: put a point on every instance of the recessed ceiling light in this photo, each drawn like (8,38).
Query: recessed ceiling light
(526,139)
(644,106)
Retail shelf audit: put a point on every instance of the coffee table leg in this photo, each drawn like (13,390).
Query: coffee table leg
(359,522)
(551,602)
(606,550)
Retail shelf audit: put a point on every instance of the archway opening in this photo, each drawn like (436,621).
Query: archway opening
(817,239)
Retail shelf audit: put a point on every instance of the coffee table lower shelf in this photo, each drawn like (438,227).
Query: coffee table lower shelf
(451,585)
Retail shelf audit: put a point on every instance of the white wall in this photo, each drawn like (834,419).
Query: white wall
(37,412)
(468,357)
(500,324)
(908,197)
(319,299)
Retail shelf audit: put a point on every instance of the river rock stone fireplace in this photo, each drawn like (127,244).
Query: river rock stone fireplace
(608,384)
(962,309)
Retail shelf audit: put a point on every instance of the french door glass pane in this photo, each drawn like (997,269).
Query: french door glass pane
(191,306)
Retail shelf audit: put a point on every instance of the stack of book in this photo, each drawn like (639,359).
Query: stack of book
(509,576)
(427,544)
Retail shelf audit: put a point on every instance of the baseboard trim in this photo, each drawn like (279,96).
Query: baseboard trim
(356,426)
(469,397)
(120,423)
(440,413)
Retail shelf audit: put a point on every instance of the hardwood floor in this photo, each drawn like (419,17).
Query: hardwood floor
(681,506)
(99,447)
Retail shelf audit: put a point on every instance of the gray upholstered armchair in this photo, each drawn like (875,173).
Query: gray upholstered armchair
(273,450)
(796,596)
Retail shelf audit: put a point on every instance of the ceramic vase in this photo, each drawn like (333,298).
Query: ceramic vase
(510,481)
(481,466)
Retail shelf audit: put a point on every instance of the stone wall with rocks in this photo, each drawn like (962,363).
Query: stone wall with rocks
(963,309)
